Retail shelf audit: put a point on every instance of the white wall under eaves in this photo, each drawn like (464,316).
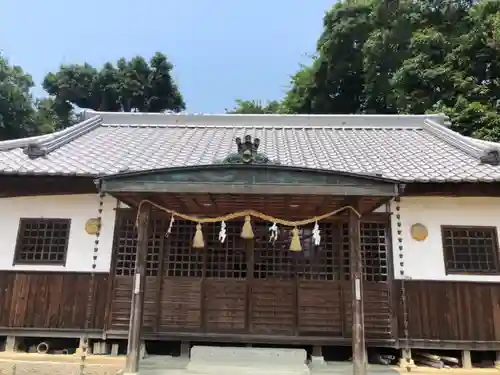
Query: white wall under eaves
(422,260)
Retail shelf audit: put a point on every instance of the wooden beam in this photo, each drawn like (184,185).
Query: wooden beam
(144,187)
(19,186)
(30,185)
(137,308)
(458,189)
(358,324)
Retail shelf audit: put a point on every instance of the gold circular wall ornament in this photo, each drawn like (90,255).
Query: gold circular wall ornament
(92,226)
(419,232)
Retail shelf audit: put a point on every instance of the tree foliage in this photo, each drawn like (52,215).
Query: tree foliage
(52,115)
(407,56)
(16,109)
(373,56)
(133,85)
(255,107)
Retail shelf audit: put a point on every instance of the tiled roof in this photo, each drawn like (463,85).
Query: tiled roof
(407,148)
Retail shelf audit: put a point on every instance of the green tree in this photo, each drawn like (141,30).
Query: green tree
(52,115)
(407,56)
(16,105)
(474,64)
(129,85)
(301,96)
(338,69)
(255,107)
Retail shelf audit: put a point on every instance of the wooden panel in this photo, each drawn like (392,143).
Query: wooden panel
(320,308)
(51,300)
(377,310)
(180,304)
(6,283)
(150,305)
(272,307)
(225,304)
(278,205)
(223,290)
(121,303)
(16,186)
(13,186)
(463,311)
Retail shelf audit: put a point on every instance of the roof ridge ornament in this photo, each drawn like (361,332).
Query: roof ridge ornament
(491,156)
(247,153)
(40,146)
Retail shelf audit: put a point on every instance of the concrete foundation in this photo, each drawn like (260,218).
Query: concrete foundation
(317,361)
(215,360)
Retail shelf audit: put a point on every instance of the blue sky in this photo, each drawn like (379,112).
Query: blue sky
(221,49)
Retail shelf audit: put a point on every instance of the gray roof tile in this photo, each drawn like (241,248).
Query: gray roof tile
(408,148)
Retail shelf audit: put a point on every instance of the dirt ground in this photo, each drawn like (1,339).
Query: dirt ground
(54,368)
(33,364)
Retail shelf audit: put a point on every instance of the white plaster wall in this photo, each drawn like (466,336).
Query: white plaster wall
(78,208)
(424,260)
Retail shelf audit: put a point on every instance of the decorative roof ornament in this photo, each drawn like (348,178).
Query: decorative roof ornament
(247,153)
(491,156)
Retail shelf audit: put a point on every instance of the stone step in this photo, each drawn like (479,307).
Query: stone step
(332,370)
(344,368)
(166,365)
(161,362)
(216,360)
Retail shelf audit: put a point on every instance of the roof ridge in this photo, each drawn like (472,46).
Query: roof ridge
(264,126)
(42,147)
(476,148)
(258,120)
(21,142)
(482,142)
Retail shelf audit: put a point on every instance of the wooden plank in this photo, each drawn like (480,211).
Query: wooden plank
(50,300)
(452,311)
(225,305)
(53,301)
(18,311)
(181,304)
(377,309)
(120,304)
(100,304)
(319,308)
(495,305)
(6,281)
(272,309)
(150,304)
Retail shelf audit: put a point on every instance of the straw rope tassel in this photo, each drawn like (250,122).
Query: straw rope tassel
(198,241)
(247,231)
(295,243)
(257,214)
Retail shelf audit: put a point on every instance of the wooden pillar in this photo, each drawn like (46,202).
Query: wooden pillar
(137,306)
(358,323)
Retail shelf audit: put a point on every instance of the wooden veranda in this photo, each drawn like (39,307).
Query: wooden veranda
(255,290)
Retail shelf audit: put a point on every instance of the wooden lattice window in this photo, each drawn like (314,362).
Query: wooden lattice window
(374,251)
(319,262)
(272,260)
(42,241)
(470,250)
(345,253)
(373,241)
(312,263)
(181,259)
(126,244)
(228,259)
